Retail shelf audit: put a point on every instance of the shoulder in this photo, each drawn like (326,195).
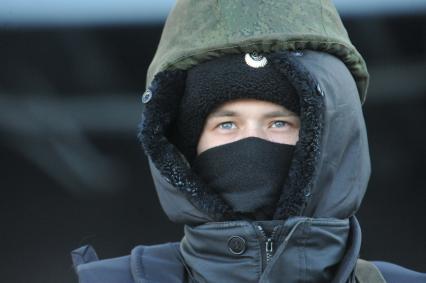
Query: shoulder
(158,263)
(394,273)
(385,272)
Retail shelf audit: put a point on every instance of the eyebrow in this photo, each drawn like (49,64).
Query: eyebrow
(278,114)
(227,113)
(223,113)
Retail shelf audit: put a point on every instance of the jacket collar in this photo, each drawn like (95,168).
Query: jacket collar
(299,250)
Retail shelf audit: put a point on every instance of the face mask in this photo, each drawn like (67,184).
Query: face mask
(249,174)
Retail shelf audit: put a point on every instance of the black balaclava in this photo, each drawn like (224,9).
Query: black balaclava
(248,174)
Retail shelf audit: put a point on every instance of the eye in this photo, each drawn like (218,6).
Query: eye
(227,125)
(279,124)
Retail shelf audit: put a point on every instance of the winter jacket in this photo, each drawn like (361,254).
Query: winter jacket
(314,235)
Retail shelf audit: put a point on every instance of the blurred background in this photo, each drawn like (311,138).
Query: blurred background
(72,171)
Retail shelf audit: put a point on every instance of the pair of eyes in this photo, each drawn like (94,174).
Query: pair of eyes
(228,125)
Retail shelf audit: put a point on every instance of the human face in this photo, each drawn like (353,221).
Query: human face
(242,118)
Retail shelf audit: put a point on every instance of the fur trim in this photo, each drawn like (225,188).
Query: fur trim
(157,120)
(297,188)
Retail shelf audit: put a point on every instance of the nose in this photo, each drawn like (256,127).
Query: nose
(257,132)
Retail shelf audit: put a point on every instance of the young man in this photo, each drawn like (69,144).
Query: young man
(256,141)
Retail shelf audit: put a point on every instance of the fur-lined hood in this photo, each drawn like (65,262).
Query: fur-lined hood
(330,168)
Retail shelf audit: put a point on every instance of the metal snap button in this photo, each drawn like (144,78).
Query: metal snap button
(319,90)
(237,245)
(255,60)
(146,97)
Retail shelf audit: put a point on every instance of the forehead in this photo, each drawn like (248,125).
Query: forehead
(249,106)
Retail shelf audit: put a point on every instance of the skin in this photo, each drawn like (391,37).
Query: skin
(243,118)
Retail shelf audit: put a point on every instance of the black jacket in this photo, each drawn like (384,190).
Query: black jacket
(318,237)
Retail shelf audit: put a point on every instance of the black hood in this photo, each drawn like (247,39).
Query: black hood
(330,168)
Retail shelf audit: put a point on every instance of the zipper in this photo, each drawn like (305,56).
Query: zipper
(269,244)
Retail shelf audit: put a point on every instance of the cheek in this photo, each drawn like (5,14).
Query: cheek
(290,137)
(201,146)
(209,139)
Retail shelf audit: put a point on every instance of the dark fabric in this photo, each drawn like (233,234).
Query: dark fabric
(220,80)
(296,192)
(396,274)
(343,168)
(248,174)
(114,270)
(163,264)
(347,264)
(297,250)
(158,119)
(157,264)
